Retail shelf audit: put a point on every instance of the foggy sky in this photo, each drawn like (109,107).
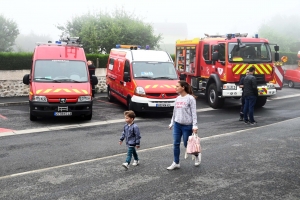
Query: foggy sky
(211,16)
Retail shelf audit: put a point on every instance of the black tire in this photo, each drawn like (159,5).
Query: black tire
(291,84)
(260,102)
(32,117)
(110,98)
(129,105)
(212,97)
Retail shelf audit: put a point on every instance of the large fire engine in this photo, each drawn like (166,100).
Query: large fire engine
(215,64)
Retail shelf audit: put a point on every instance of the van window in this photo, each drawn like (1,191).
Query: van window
(111,64)
(60,70)
(154,70)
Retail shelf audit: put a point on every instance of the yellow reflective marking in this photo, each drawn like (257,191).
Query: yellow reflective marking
(75,90)
(235,67)
(48,90)
(30,93)
(258,69)
(84,91)
(57,90)
(174,86)
(264,67)
(269,67)
(66,90)
(241,69)
(154,86)
(147,86)
(167,86)
(38,91)
(161,86)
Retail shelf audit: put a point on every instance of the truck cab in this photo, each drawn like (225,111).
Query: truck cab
(59,81)
(215,64)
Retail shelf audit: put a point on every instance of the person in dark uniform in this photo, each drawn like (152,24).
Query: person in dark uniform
(92,69)
(241,85)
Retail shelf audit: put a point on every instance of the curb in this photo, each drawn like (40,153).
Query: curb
(27,102)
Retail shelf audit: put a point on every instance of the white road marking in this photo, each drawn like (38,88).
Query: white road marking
(64,127)
(284,97)
(143,150)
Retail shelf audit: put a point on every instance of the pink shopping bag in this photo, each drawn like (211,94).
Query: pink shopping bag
(193,145)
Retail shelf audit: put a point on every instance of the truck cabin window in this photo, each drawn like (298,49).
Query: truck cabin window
(250,53)
(154,70)
(60,71)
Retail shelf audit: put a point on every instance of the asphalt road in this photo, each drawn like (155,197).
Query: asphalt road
(70,159)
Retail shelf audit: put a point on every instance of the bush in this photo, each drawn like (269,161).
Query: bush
(15,61)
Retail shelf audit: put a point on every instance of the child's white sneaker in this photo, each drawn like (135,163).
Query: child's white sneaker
(125,165)
(135,162)
(198,159)
(174,166)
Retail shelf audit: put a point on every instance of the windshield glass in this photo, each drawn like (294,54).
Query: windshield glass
(250,53)
(154,70)
(60,71)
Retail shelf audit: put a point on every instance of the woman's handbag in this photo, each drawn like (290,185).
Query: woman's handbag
(193,145)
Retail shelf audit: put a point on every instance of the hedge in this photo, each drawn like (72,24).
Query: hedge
(19,61)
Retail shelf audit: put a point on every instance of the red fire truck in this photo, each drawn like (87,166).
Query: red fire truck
(215,64)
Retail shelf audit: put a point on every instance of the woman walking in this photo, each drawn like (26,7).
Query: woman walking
(184,121)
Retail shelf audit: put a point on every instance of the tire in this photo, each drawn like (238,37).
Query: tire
(260,102)
(89,117)
(129,105)
(212,97)
(110,98)
(32,117)
(291,84)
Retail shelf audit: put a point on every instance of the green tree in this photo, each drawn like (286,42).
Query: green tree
(8,33)
(27,43)
(102,31)
(282,30)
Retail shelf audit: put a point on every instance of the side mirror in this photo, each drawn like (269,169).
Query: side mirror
(216,48)
(215,56)
(276,57)
(126,77)
(94,80)
(276,48)
(182,77)
(26,79)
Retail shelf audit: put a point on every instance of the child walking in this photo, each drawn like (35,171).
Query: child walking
(132,134)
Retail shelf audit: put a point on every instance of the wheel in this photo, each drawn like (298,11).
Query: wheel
(88,117)
(260,102)
(110,98)
(129,105)
(212,97)
(32,117)
(291,84)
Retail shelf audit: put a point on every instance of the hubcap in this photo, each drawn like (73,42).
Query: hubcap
(212,96)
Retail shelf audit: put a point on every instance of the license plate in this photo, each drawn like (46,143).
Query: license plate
(163,105)
(62,113)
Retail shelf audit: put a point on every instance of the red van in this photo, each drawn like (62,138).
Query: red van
(59,81)
(292,77)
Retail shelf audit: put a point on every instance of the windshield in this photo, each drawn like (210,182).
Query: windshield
(154,70)
(60,71)
(249,53)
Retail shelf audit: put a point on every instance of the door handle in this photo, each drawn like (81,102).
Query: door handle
(121,82)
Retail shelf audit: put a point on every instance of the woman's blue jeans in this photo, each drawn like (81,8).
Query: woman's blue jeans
(131,151)
(179,131)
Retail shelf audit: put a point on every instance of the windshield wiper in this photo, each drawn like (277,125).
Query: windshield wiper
(68,79)
(164,77)
(150,77)
(45,78)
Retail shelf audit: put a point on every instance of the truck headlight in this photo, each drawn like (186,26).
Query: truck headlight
(139,91)
(271,86)
(39,99)
(84,98)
